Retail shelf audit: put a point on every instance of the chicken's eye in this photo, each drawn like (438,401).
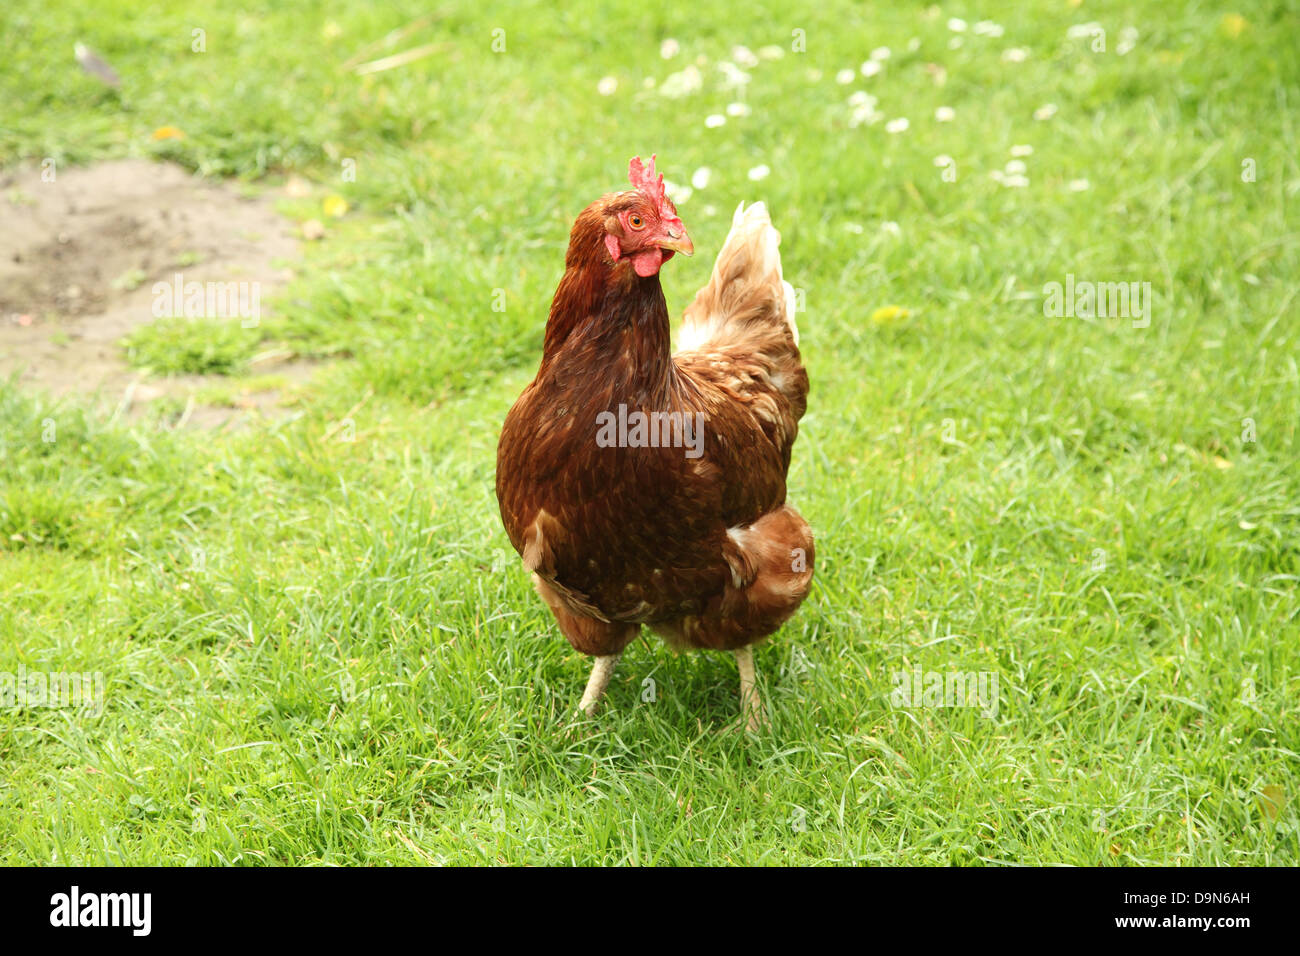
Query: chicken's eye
(636,222)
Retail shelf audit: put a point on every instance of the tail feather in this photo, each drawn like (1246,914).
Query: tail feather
(746,300)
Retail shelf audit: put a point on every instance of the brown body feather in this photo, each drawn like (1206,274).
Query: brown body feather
(704,550)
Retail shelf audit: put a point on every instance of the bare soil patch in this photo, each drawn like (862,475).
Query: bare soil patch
(79,257)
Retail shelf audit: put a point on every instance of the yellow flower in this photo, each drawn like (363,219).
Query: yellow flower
(1233,25)
(889,313)
(167,132)
(335,206)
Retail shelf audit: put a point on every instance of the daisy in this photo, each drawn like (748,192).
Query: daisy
(608,86)
(739,109)
(864,110)
(669,48)
(870,68)
(1084,31)
(682,83)
(734,77)
(957,25)
(844,77)
(945,114)
(1045,112)
(760,172)
(897,125)
(1022,150)
(700,178)
(714,120)
(676,192)
(880,53)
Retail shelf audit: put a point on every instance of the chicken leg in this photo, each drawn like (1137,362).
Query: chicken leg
(750,704)
(602,669)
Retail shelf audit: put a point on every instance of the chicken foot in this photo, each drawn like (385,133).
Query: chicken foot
(602,669)
(750,704)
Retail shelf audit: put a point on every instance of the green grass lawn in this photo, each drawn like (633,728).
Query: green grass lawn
(323,651)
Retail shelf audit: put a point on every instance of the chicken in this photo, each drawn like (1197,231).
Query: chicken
(646,487)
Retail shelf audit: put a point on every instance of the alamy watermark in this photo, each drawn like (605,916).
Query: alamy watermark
(52,690)
(638,429)
(1098,300)
(208,300)
(919,688)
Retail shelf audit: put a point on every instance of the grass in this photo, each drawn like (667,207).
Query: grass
(318,645)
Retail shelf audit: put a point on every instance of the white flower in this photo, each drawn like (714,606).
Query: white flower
(897,125)
(744,56)
(771,52)
(1084,31)
(890,228)
(714,120)
(945,114)
(864,110)
(739,109)
(608,86)
(734,78)
(1015,54)
(880,53)
(1128,38)
(710,210)
(954,43)
(1022,150)
(1016,181)
(682,83)
(1045,112)
(669,48)
(870,68)
(677,192)
(844,77)
(700,178)
(1078,185)
(913,44)
(943,159)
(957,25)
(987,28)
(855,228)
(760,172)
(865,117)
(1016,167)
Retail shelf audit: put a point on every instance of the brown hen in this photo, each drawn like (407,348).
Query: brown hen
(646,487)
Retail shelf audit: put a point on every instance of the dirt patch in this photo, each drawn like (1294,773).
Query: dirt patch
(80,257)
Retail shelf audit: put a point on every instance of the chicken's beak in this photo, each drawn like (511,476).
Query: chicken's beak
(678,241)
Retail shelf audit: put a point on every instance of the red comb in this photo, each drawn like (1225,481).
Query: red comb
(644,179)
(651,185)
